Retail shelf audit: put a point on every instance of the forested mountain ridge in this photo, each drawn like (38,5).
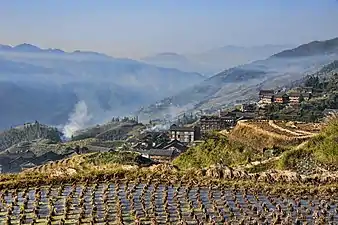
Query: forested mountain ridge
(26,133)
(242,83)
(108,86)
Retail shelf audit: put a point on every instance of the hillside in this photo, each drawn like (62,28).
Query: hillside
(324,85)
(108,86)
(214,60)
(28,133)
(242,83)
(311,49)
(114,130)
(249,141)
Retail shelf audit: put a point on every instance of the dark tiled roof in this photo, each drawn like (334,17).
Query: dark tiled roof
(176,128)
(176,144)
(266,92)
(28,165)
(210,117)
(281,95)
(295,94)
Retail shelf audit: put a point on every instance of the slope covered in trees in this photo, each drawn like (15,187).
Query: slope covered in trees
(28,132)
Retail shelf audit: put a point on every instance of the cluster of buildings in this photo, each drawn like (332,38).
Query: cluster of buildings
(164,146)
(17,162)
(280,97)
(227,119)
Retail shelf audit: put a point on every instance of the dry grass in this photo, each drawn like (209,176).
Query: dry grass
(260,135)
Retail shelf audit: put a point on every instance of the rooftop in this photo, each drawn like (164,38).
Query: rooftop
(266,92)
(281,95)
(174,127)
(294,94)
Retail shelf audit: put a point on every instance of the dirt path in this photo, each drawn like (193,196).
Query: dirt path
(298,133)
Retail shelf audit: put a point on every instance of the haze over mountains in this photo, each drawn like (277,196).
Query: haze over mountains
(214,60)
(77,89)
(243,82)
(49,84)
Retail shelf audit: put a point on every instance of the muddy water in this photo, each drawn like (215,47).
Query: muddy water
(167,204)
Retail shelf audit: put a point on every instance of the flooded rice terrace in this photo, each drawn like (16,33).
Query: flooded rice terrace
(159,203)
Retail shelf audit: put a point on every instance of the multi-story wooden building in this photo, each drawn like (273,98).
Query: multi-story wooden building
(216,123)
(184,134)
(295,98)
(266,96)
(248,107)
(281,98)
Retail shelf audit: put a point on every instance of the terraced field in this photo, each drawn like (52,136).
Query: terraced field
(280,129)
(302,128)
(153,202)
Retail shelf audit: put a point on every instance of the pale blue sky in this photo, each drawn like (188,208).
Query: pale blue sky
(136,28)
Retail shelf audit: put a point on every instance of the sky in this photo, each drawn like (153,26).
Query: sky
(136,28)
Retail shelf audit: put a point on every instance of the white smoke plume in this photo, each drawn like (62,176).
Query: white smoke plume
(78,119)
(158,128)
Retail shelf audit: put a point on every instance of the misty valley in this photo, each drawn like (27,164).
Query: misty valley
(73,90)
(169,112)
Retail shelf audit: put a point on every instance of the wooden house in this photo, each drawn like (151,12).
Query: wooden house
(173,145)
(215,123)
(295,98)
(266,96)
(184,134)
(248,107)
(281,98)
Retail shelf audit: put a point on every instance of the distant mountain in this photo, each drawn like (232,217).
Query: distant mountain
(174,60)
(311,49)
(26,48)
(214,60)
(242,83)
(29,48)
(49,84)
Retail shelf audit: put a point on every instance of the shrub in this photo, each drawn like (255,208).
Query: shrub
(215,150)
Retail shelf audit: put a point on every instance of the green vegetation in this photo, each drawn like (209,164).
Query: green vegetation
(114,130)
(262,167)
(28,132)
(324,84)
(217,149)
(290,159)
(320,150)
(123,158)
(325,146)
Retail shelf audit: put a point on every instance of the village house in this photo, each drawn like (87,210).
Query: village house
(307,90)
(150,139)
(281,98)
(216,123)
(173,145)
(266,96)
(184,134)
(306,96)
(248,107)
(295,98)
